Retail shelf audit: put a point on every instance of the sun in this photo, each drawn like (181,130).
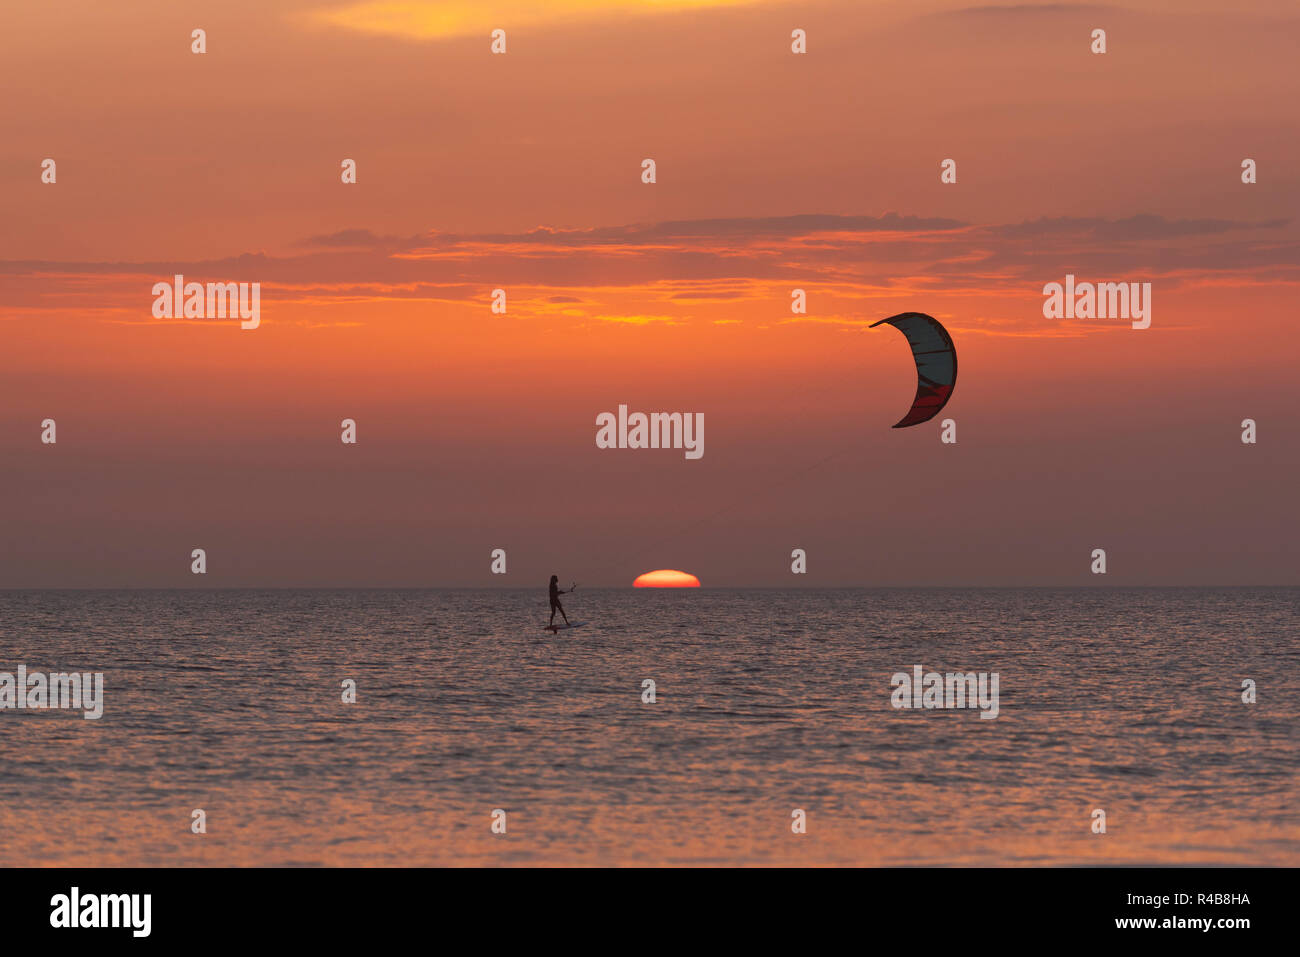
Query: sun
(666,578)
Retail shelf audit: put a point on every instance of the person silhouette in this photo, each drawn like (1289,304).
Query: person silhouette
(555,601)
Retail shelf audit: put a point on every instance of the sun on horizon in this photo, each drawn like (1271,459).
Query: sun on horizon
(666,578)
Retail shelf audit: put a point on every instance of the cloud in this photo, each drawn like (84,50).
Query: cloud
(1139,227)
(644,273)
(747,228)
(358,238)
(1029,9)
(641,320)
(439,19)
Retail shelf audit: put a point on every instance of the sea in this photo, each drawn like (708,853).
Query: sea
(678,727)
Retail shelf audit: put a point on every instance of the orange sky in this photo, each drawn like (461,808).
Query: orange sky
(521,171)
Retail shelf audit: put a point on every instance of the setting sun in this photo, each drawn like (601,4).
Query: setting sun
(666,578)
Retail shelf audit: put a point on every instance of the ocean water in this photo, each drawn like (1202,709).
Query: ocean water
(767,701)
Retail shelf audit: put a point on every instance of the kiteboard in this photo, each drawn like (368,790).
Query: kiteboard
(553,629)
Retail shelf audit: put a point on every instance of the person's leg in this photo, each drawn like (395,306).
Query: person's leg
(552,616)
(566,617)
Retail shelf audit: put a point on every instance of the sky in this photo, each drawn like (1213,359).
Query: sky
(522,171)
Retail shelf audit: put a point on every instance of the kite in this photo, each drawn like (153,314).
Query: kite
(936,364)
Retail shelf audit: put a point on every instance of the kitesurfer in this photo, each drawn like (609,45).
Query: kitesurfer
(555,601)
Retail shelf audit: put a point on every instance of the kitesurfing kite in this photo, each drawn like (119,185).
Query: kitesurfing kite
(936,364)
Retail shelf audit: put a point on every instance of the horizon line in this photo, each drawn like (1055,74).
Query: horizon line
(229,588)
